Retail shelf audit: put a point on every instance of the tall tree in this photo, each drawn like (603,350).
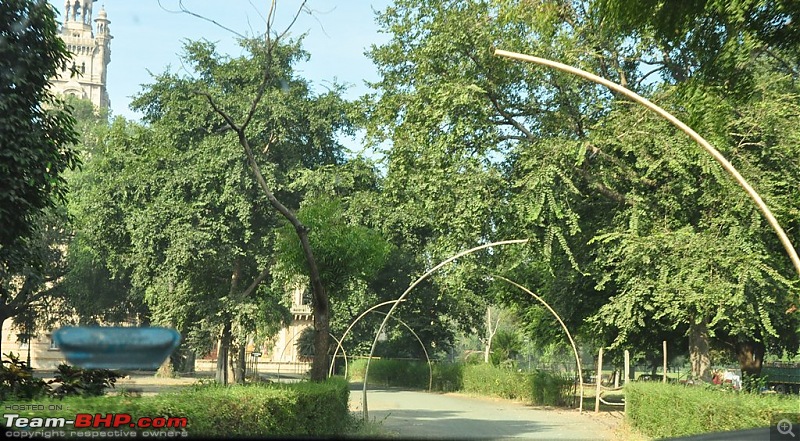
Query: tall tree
(36,137)
(239,118)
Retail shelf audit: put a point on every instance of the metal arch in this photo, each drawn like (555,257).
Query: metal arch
(372,309)
(408,290)
(571,341)
(349,328)
(787,244)
(430,366)
(292,339)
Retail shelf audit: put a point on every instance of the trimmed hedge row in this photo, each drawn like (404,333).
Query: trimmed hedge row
(538,387)
(300,409)
(541,388)
(667,410)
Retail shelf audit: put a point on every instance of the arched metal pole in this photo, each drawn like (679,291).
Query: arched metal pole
(787,245)
(403,296)
(338,345)
(569,336)
(347,331)
(430,366)
(291,340)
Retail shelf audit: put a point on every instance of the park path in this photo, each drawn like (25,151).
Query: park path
(412,414)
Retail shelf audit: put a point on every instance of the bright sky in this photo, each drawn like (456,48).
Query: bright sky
(148,38)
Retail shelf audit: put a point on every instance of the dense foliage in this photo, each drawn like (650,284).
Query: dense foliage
(36,147)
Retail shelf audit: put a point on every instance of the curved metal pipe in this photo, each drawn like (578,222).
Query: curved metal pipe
(291,340)
(347,331)
(787,245)
(571,341)
(430,366)
(405,293)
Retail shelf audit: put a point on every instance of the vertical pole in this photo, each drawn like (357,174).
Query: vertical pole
(627,379)
(627,366)
(664,344)
(598,381)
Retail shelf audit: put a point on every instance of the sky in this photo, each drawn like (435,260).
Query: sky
(148,38)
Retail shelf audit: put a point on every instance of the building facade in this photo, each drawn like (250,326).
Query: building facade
(89,41)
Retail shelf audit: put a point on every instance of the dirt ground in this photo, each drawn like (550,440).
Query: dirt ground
(147,383)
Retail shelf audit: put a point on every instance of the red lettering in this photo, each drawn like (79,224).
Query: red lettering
(106,420)
(120,419)
(83,420)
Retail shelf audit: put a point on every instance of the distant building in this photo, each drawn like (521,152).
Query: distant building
(39,349)
(285,348)
(89,42)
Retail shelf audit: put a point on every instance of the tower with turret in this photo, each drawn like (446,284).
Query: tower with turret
(89,42)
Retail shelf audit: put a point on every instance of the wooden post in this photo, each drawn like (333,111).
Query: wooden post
(664,344)
(627,366)
(598,381)
(627,379)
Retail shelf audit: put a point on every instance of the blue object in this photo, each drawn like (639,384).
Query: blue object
(116,347)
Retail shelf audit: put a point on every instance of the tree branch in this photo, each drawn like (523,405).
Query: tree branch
(508,117)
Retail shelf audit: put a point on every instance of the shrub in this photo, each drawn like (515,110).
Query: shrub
(537,388)
(668,410)
(447,377)
(17,380)
(73,381)
(551,389)
(211,410)
(391,373)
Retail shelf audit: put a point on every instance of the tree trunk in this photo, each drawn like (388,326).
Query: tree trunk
(320,301)
(237,363)
(490,332)
(222,353)
(319,365)
(751,356)
(187,367)
(698,349)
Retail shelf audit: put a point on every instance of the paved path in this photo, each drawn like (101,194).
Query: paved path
(454,416)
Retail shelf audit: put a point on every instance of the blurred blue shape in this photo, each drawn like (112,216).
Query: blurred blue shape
(116,347)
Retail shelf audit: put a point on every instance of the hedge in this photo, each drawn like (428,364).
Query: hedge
(667,410)
(300,409)
(538,387)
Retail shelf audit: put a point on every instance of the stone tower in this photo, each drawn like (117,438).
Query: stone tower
(84,75)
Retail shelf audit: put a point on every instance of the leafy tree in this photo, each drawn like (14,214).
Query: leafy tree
(622,210)
(326,118)
(36,133)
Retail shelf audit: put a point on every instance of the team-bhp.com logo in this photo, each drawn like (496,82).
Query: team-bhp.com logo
(93,421)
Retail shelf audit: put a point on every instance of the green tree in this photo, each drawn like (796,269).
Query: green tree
(36,137)
(620,207)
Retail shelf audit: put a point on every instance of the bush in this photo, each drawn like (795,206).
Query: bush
(668,410)
(541,388)
(17,380)
(447,377)
(73,381)
(391,373)
(211,410)
(551,389)
(485,379)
